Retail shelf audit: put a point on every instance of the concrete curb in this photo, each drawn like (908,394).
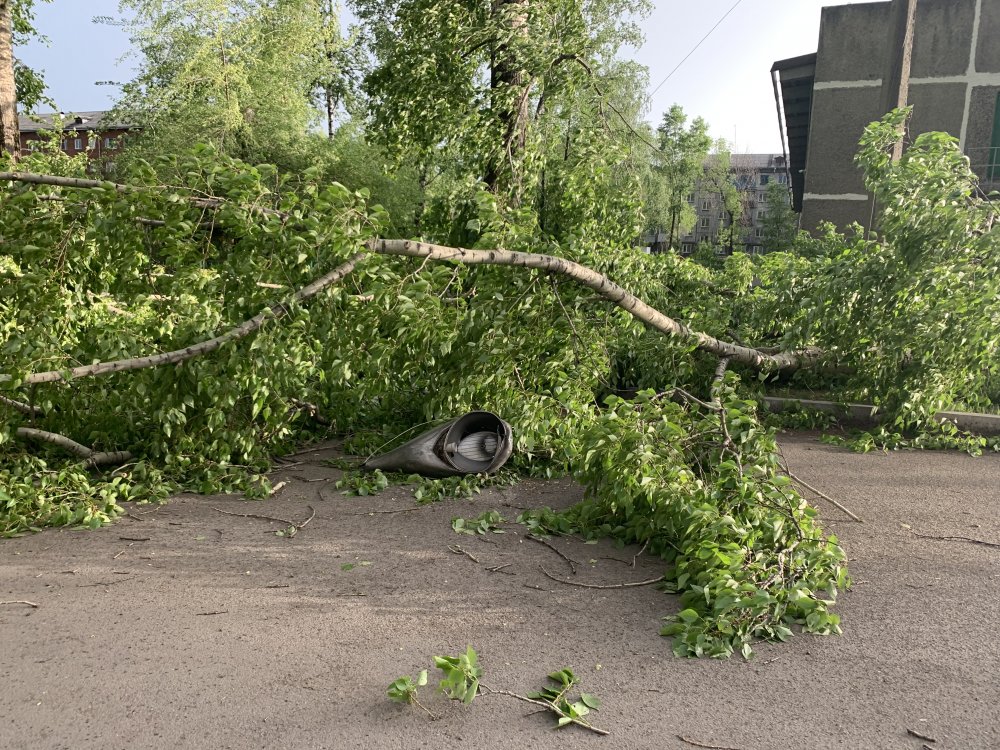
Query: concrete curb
(865,415)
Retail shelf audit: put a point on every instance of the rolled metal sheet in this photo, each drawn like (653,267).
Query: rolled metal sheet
(477,443)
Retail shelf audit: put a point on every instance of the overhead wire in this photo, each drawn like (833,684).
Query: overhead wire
(694,49)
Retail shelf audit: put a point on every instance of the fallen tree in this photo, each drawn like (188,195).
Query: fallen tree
(380,335)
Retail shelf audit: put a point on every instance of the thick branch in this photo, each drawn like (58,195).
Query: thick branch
(26,409)
(607,289)
(274,311)
(93,459)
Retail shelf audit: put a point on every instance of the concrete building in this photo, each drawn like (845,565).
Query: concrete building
(84,132)
(751,174)
(826,99)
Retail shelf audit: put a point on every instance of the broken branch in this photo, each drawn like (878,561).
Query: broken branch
(626,585)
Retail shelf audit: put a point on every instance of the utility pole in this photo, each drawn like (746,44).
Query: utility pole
(896,81)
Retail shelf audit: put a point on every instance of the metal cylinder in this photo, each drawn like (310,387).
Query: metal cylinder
(476,443)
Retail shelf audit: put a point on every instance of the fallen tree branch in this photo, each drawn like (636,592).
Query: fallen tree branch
(572,563)
(822,495)
(93,459)
(956,539)
(295,527)
(684,739)
(275,311)
(22,601)
(607,289)
(548,707)
(627,585)
(26,409)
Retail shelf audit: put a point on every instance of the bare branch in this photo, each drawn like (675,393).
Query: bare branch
(275,311)
(93,459)
(27,409)
(607,289)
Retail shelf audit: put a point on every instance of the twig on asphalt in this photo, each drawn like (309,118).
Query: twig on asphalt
(682,738)
(134,538)
(380,512)
(636,555)
(461,551)
(22,601)
(500,569)
(919,736)
(572,563)
(822,495)
(205,614)
(548,707)
(626,585)
(295,527)
(956,539)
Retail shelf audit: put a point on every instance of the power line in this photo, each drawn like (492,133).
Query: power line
(695,49)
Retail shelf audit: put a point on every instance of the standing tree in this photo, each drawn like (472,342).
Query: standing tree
(19,84)
(676,169)
(238,74)
(333,84)
(780,223)
(488,86)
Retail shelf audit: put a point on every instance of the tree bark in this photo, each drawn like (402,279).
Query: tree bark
(275,311)
(608,289)
(10,135)
(508,79)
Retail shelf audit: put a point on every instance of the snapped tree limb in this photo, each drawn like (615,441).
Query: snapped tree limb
(608,289)
(92,458)
(275,311)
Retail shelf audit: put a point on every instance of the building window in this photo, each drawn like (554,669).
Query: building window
(78,143)
(762,197)
(687,248)
(761,215)
(782,179)
(691,198)
(704,222)
(706,205)
(764,179)
(62,144)
(758,232)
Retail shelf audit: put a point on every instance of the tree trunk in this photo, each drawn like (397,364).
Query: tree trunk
(9,132)
(508,79)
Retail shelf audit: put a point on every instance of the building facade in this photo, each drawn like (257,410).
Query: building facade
(86,132)
(750,174)
(825,100)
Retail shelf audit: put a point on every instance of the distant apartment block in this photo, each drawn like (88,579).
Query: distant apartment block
(750,174)
(826,99)
(84,132)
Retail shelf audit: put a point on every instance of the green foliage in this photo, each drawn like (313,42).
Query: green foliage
(363,483)
(701,488)
(780,224)
(488,522)
(404,689)
(429,490)
(558,697)
(460,675)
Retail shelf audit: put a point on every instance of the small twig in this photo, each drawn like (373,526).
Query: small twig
(822,495)
(115,557)
(134,538)
(378,512)
(277,488)
(572,563)
(919,736)
(636,555)
(254,515)
(598,586)
(205,614)
(22,601)
(710,747)
(461,551)
(956,539)
(500,569)
(548,707)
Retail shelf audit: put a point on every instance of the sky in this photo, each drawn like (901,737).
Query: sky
(726,80)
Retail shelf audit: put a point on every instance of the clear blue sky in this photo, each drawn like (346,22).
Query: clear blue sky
(727,80)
